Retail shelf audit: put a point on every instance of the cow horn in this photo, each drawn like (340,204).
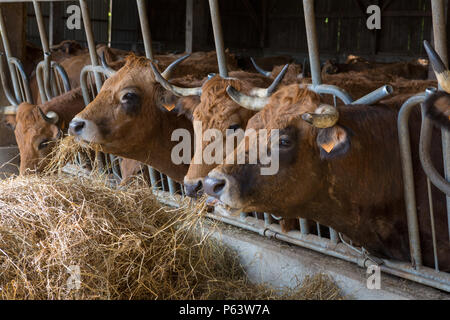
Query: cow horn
(442,73)
(248,102)
(167,73)
(178,91)
(11,98)
(262,93)
(105,65)
(51,116)
(325,116)
(259,69)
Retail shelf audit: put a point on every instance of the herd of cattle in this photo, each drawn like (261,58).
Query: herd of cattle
(339,166)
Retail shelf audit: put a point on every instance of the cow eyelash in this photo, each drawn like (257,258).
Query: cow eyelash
(285,142)
(43,144)
(234,127)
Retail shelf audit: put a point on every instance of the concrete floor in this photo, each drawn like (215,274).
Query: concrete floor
(282,264)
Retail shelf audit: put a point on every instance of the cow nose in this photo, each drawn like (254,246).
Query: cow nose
(76,127)
(214,187)
(194,188)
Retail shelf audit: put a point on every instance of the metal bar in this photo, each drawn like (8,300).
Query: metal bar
(41,26)
(189,37)
(304,226)
(26,84)
(172,186)
(90,41)
(425,157)
(51,24)
(63,75)
(313,47)
(440,44)
(48,75)
(433,229)
(375,95)
(153,178)
(333,235)
(7,49)
(408,177)
(40,81)
(11,98)
(331,89)
(218,38)
(145,29)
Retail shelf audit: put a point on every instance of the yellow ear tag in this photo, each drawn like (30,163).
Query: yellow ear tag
(169,107)
(327,146)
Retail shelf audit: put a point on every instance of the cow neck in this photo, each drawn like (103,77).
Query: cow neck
(362,192)
(157,153)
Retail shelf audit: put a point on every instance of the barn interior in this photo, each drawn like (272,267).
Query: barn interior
(329,45)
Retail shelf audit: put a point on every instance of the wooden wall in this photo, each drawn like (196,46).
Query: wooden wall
(265,26)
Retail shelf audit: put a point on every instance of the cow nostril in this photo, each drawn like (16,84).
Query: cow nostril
(219,187)
(199,186)
(194,189)
(77,126)
(214,187)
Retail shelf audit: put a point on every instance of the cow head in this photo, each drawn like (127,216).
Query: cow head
(36,133)
(308,137)
(437,105)
(131,114)
(219,115)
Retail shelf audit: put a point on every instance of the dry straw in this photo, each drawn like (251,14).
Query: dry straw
(124,242)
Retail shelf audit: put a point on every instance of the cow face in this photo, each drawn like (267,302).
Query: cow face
(36,134)
(128,109)
(304,150)
(216,113)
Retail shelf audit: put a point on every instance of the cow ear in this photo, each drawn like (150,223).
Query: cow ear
(333,142)
(10,121)
(186,105)
(438,108)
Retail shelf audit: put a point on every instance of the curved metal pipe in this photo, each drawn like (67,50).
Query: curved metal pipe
(26,84)
(48,75)
(63,74)
(408,177)
(11,98)
(83,79)
(105,65)
(40,81)
(425,158)
(375,95)
(331,89)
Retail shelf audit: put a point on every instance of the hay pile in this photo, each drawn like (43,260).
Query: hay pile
(125,244)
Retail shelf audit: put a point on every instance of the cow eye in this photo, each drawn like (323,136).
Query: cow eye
(285,142)
(234,127)
(44,143)
(129,97)
(130,102)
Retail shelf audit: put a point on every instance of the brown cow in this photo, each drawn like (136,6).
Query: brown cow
(217,111)
(343,171)
(37,127)
(133,116)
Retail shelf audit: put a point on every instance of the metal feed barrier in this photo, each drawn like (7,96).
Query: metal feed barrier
(332,243)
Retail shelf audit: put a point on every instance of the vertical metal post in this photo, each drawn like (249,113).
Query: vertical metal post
(51,24)
(218,39)
(90,42)
(304,227)
(145,29)
(408,178)
(440,45)
(189,25)
(7,49)
(313,47)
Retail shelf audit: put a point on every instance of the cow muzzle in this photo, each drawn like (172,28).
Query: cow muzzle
(223,187)
(85,130)
(193,187)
